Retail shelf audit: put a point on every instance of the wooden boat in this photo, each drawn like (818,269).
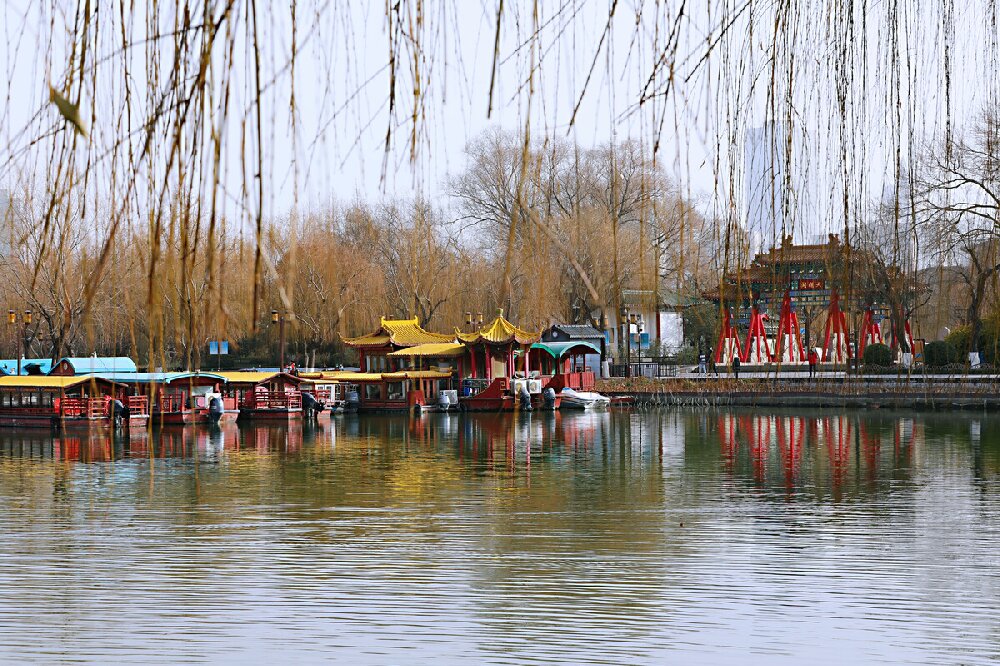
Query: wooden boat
(261,396)
(328,391)
(43,401)
(502,395)
(447,401)
(175,398)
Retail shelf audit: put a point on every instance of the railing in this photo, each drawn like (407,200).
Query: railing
(274,400)
(72,407)
(172,402)
(138,405)
(474,386)
(327,393)
(89,408)
(580,381)
(652,370)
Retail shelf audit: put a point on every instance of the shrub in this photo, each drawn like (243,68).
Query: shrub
(941,353)
(878,355)
(687,355)
(986,343)
(959,338)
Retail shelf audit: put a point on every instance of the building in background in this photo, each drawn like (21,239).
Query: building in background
(765,184)
(659,330)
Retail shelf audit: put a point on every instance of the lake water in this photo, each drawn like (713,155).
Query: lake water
(678,536)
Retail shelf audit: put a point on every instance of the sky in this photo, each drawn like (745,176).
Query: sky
(857,87)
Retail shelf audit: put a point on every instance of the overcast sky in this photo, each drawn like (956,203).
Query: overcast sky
(884,59)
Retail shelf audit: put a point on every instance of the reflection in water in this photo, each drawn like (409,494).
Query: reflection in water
(692,535)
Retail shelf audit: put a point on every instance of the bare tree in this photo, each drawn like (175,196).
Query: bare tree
(958,198)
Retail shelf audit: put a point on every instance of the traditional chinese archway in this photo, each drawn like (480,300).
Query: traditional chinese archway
(758,347)
(789,335)
(836,342)
(728,347)
(871,333)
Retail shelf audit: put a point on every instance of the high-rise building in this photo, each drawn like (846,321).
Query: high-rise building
(765,181)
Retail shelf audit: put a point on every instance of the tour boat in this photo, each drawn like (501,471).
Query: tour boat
(506,395)
(261,396)
(44,401)
(584,399)
(176,398)
(328,392)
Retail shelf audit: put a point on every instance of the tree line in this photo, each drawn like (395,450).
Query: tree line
(549,232)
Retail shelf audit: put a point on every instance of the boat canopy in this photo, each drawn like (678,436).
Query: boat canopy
(85,365)
(559,349)
(431,349)
(157,377)
(416,374)
(254,377)
(48,382)
(350,376)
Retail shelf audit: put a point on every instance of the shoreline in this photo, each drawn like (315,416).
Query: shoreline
(724,392)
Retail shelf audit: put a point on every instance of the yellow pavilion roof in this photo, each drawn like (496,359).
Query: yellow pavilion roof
(44,381)
(349,376)
(499,332)
(432,349)
(416,374)
(398,332)
(332,376)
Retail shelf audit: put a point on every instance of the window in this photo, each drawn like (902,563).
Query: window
(396,391)
(373,392)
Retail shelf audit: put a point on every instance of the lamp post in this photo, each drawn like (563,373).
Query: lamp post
(604,340)
(21,334)
(627,337)
(279,319)
(468,321)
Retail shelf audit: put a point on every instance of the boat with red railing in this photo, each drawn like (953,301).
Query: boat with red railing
(175,398)
(43,401)
(261,396)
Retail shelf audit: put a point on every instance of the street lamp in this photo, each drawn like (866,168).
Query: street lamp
(627,337)
(468,321)
(279,319)
(21,335)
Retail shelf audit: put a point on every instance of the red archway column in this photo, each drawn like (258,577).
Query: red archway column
(729,341)
(789,338)
(870,332)
(757,349)
(836,347)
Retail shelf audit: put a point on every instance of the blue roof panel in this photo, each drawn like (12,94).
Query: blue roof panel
(85,365)
(156,377)
(8,366)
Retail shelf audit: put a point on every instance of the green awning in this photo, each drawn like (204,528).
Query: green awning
(559,349)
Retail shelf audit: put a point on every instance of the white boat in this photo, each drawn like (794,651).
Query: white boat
(447,401)
(584,399)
